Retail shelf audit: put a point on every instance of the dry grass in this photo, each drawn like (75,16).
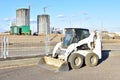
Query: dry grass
(41,38)
(111,40)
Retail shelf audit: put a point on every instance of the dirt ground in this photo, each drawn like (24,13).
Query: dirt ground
(107,69)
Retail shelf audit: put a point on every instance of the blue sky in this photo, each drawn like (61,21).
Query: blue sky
(91,14)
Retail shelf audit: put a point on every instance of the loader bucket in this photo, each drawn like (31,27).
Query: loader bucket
(53,64)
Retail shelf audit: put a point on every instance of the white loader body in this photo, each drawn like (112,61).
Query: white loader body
(77,47)
(72,47)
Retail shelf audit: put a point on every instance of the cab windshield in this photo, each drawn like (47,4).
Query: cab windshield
(68,38)
(74,35)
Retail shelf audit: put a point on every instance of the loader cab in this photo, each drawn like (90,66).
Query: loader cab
(73,35)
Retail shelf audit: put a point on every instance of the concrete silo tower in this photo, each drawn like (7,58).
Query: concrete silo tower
(23,17)
(43,24)
(23,20)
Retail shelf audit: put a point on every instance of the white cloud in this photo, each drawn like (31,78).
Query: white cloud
(33,27)
(84,12)
(9,19)
(4,27)
(87,18)
(60,16)
(33,20)
(5,23)
(6,19)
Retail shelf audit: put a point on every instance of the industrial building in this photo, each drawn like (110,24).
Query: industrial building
(14,30)
(23,17)
(22,22)
(22,25)
(43,24)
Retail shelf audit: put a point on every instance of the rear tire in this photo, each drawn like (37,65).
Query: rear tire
(76,61)
(91,59)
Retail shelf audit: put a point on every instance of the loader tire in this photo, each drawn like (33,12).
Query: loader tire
(76,61)
(91,59)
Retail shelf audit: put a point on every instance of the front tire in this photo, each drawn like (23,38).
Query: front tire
(76,61)
(91,59)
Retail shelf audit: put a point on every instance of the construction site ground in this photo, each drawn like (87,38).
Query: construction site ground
(29,69)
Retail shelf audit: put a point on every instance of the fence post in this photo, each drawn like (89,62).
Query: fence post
(1,55)
(7,43)
(4,49)
(47,45)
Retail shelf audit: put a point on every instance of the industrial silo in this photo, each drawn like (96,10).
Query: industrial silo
(43,24)
(23,20)
(23,17)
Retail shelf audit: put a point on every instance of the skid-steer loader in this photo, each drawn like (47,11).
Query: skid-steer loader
(76,48)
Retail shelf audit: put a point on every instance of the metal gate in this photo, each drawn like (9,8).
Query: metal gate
(21,46)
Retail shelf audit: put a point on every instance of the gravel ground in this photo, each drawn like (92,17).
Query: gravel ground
(108,69)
